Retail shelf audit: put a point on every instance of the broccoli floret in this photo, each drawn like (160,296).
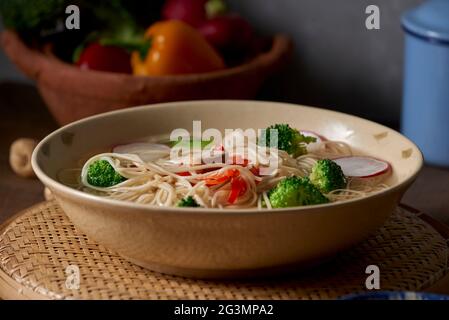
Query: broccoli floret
(290,140)
(327,175)
(188,202)
(295,191)
(102,174)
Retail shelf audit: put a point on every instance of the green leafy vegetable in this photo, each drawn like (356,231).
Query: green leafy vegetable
(23,15)
(188,202)
(110,22)
(118,28)
(192,143)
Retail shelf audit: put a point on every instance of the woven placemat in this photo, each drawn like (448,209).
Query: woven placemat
(38,245)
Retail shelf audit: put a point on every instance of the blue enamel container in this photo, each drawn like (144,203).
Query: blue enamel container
(425,111)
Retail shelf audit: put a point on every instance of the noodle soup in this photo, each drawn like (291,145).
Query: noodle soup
(309,169)
(208,242)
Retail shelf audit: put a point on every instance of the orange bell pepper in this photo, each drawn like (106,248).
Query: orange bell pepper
(176,48)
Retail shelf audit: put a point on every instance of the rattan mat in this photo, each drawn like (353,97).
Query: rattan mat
(38,245)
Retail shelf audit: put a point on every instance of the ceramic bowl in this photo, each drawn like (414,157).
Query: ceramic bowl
(71,93)
(212,243)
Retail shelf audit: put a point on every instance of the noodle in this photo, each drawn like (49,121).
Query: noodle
(164,183)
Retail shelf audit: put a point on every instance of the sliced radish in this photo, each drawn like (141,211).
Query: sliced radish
(145,150)
(362,167)
(311,147)
(308,133)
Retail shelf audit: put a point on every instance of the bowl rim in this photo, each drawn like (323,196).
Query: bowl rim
(73,193)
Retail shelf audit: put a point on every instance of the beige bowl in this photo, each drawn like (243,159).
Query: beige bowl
(212,243)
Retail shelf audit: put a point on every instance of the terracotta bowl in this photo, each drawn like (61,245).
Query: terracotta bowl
(72,94)
(212,243)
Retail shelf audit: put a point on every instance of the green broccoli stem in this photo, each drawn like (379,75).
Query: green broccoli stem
(140,45)
(126,34)
(128,37)
(118,28)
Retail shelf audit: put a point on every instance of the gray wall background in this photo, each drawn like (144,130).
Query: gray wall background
(338,63)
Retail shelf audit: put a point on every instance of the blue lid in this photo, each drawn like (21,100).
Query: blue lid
(430,20)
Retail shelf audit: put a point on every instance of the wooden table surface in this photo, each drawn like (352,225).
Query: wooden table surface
(23,114)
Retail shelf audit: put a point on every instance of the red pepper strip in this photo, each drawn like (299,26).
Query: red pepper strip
(238,188)
(255,171)
(238,185)
(219,179)
(243,187)
(184,174)
(202,171)
(235,191)
(215,181)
